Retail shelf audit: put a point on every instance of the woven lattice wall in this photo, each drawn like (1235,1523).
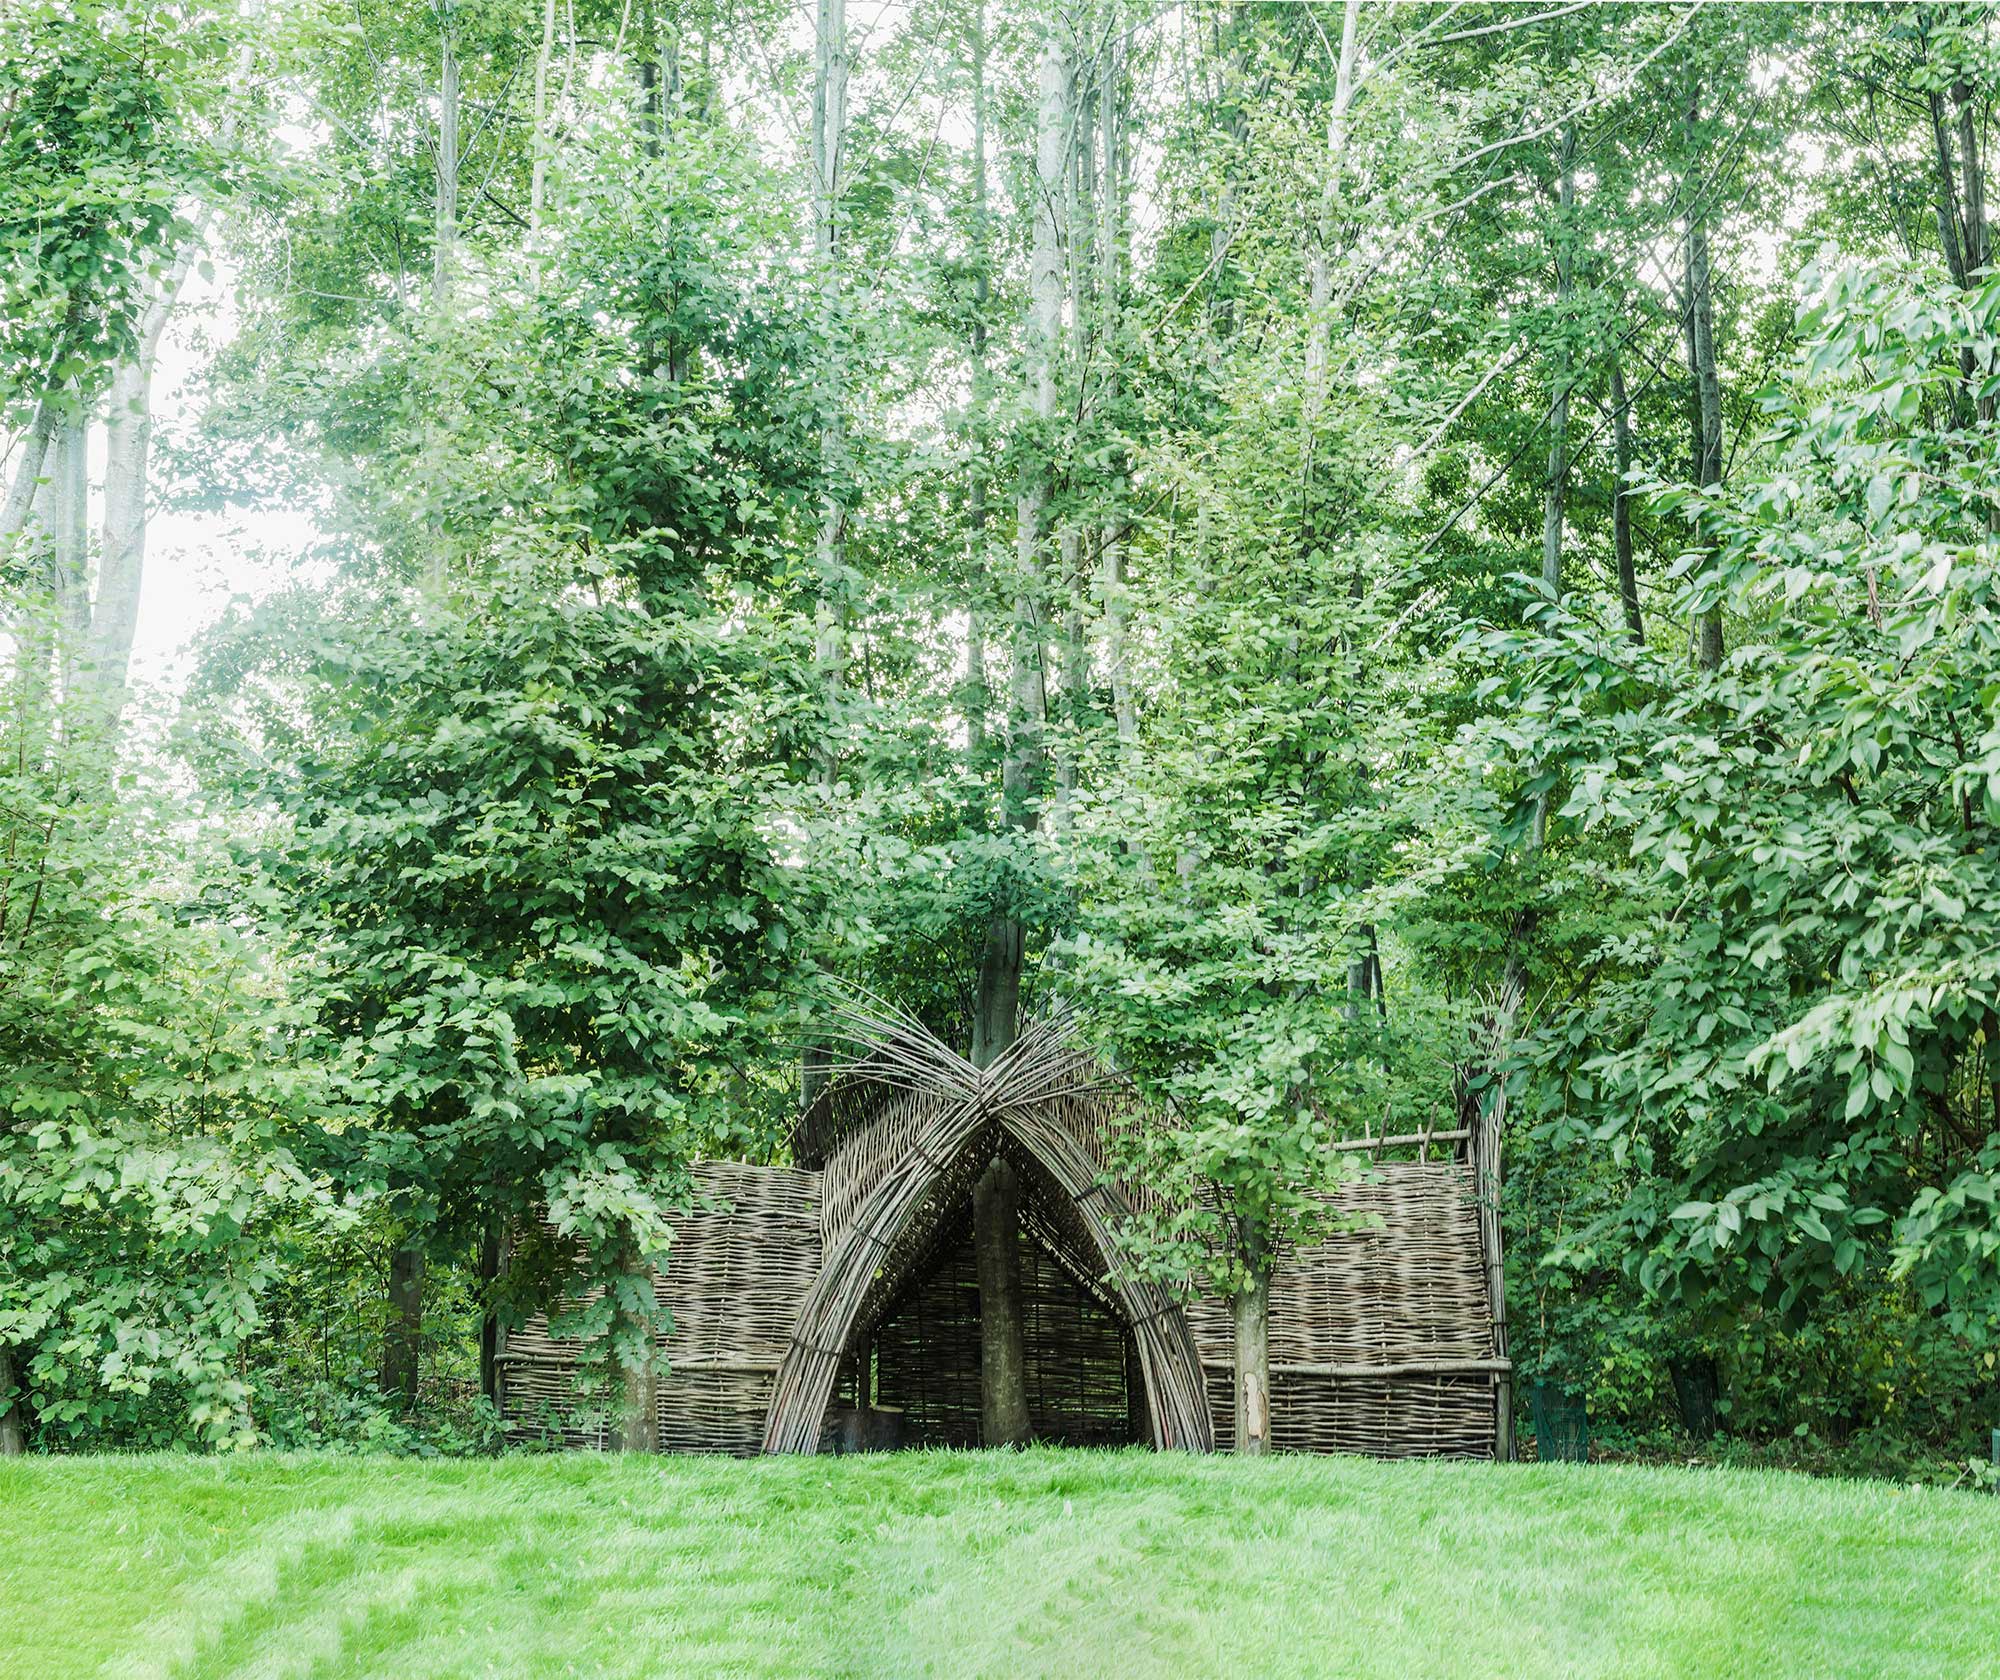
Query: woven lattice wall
(733,1281)
(926,1350)
(1382,1338)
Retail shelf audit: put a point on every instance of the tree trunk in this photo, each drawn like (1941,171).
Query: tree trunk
(1251,1306)
(1978,241)
(1556,487)
(1003,1376)
(128,442)
(402,1336)
(1319,325)
(1621,503)
(28,472)
(444,233)
(829,122)
(1708,400)
(538,174)
(978,513)
(489,1313)
(639,1373)
(1977,252)
(13,1426)
(128,472)
(69,554)
(996,1005)
(1111,280)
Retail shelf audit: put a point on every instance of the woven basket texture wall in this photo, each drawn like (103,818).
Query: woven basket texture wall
(925,1348)
(1381,1338)
(733,1281)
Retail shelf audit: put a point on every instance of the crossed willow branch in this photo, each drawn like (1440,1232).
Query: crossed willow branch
(1049,1059)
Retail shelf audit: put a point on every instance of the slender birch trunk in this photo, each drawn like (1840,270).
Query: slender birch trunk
(492,1256)
(977,511)
(1978,237)
(1319,303)
(829,123)
(1555,497)
(1555,494)
(538,174)
(1111,279)
(20,504)
(444,233)
(1621,503)
(121,560)
(1708,402)
(69,551)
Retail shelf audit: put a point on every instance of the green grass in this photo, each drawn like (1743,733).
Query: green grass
(1046,1563)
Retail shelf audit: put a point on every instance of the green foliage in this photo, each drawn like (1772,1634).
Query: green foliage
(1790,1069)
(154,1159)
(101,108)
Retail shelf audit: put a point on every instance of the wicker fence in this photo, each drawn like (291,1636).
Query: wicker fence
(792,1289)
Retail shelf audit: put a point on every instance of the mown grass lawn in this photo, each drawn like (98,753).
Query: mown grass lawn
(1044,1563)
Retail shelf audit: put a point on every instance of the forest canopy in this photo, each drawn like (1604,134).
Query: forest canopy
(1410,565)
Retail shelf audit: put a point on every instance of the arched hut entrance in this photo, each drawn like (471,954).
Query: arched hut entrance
(890,1316)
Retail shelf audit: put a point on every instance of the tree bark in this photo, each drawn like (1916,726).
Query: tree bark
(1319,326)
(128,469)
(538,174)
(489,1314)
(1708,398)
(638,1427)
(1621,503)
(402,1336)
(978,513)
(1978,252)
(69,554)
(830,68)
(444,233)
(1111,280)
(996,1007)
(13,1426)
(28,472)
(1003,1384)
(1251,1308)
(1555,491)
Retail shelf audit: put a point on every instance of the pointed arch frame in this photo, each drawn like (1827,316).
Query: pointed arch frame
(1045,1094)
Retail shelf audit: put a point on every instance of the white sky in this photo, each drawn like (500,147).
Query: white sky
(197,562)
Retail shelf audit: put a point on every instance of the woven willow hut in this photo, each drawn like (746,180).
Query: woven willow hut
(812,1302)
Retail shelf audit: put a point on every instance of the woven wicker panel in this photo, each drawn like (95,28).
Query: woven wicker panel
(714,1411)
(734,1276)
(1393,1417)
(861,1160)
(927,1351)
(1413,1286)
(1409,1288)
